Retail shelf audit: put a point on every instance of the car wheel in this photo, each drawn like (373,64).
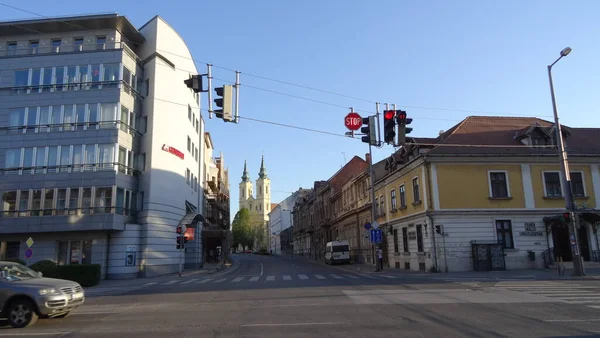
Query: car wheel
(21,313)
(64,315)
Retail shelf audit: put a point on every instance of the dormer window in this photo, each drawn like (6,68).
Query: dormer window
(538,141)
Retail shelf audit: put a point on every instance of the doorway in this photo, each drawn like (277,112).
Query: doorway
(584,243)
(560,239)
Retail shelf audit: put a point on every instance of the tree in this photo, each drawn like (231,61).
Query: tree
(241,229)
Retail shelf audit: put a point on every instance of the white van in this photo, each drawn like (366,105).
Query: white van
(337,252)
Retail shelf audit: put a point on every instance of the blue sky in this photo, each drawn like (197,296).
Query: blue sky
(461,57)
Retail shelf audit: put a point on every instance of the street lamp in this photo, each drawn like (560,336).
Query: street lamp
(578,269)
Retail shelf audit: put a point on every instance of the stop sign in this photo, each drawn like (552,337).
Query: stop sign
(353,121)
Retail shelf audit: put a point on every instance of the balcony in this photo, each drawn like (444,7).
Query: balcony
(15,51)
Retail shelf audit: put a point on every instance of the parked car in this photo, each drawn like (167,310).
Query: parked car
(337,252)
(25,295)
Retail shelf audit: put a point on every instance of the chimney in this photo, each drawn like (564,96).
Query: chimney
(368,157)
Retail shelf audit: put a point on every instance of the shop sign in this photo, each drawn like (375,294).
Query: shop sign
(173,151)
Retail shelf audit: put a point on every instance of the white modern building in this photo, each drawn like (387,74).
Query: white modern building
(101,144)
(280,218)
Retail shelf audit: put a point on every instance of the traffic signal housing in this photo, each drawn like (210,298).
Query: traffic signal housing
(224,101)
(369,130)
(403,130)
(389,126)
(181,240)
(195,83)
(567,217)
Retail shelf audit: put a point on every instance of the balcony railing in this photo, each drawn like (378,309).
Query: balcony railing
(70,126)
(11,51)
(71,168)
(88,210)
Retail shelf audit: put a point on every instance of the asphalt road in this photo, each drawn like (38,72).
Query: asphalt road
(273,297)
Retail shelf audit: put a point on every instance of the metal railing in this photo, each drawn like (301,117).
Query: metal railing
(70,126)
(72,48)
(74,86)
(87,210)
(71,168)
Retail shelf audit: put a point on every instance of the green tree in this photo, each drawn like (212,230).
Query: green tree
(241,228)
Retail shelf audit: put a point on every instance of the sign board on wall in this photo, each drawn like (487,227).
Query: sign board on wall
(530,230)
(173,151)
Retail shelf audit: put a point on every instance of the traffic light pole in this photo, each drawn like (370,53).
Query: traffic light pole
(373,206)
(578,269)
(181,256)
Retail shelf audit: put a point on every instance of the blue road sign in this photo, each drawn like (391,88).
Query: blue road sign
(376,236)
(28,253)
(367,226)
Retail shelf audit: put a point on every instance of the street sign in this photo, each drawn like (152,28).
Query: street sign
(376,236)
(353,121)
(28,253)
(29,242)
(375,225)
(367,226)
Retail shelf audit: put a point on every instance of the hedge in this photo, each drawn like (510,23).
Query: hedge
(84,274)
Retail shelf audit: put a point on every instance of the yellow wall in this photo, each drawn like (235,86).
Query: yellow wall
(407,181)
(467,187)
(538,186)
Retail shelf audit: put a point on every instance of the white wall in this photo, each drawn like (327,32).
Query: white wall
(119,243)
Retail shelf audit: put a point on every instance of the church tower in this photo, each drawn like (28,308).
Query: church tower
(263,194)
(245,189)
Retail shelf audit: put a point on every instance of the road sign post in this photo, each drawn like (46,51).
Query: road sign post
(353,121)
(29,251)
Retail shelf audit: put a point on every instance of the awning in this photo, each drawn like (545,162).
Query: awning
(191,220)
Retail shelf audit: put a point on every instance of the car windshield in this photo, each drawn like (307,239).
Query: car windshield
(15,272)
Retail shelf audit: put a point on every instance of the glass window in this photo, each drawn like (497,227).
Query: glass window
(189,144)
(32,118)
(106,155)
(127,202)
(86,257)
(9,203)
(16,117)
(78,44)
(122,159)
(69,117)
(94,116)
(40,159)
(47,80)
(552,181)
(405,239)
(28,158)
(80,116)
(61,201)
(124,118)
(126,79)
(504,234)
(86,200)
(65,157)
(111,72)
(44,120)
(36,203)
(77,157)
(577,186)
(33,46)
(55,116)
(52,158)
(48,202)
(63,249)
(59,78)
(108,114)
(83,76)
(393,198)
(12,158)
(72,77)
(100,42)
(56,45)
(416,193)
(75,252)
(95,76)
(21,80)
(73,201)
(498,184)
(36,78)
(189,113)
(90,154)
(120,200)
(103,201)
(402,196)
(11,48)
(24,203)
(419,238)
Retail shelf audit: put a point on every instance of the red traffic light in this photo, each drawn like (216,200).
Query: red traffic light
(179,230)
(567,216)
(388,114)
(401,115)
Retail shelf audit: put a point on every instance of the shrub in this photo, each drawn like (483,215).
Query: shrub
(47,267)
(15,260)
(84,274)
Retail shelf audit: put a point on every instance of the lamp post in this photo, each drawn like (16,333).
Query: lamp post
(578,269)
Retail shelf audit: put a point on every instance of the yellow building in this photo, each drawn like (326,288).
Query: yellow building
(487,195)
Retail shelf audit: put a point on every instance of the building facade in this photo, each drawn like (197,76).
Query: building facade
(280,219)
(94,170)
(487,195)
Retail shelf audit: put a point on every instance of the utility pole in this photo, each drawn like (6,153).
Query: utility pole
(578,268)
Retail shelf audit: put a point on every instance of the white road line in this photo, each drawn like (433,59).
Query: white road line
(386,276)
(239,279)
(303,276)
(254,279)
(262,268)
(320,277)
(204,281)
(336,276)
(171,282)
(190,281)
(292,324)
(573,320)
(350,276)
(270,278)
(594,306)
(151,283)
(221,280)
(29,334)
(287,277)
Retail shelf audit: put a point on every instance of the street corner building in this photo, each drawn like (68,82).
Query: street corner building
(487,195)
(102,145)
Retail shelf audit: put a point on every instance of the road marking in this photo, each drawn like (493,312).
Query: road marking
(204,281)
(287,277)
(254,279)
(292,324)
(288,305)
(171,282)
(29,334)
(190,281)
(386,276)
(151,283)
(594,306)
(573,320)
(93,313)
(239,279)
(336,276)
(262,268)
(320,277)
(350,276)
(303,276)
(270,278)
(220,280)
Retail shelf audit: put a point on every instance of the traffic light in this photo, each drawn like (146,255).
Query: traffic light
(369,130)
(403,121)
(567,217)
(224,101)
(195,83)
(389,126)
(179,230)
(181,240)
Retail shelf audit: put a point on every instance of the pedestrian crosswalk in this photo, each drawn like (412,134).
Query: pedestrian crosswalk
(567,292)
(271,278)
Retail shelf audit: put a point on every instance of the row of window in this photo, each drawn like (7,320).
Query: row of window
(405,238)
(190,179)
(69,201)
(69,117)
(192,149)
(72,158)
(56,46)
(193,119)
(69,252)
(380,201)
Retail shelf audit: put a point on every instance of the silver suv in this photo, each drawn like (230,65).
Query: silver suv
(26,296)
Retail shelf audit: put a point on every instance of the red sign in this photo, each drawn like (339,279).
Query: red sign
(353,121)
(189,234)
(173,151)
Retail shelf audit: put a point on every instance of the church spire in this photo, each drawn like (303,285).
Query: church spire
(263,170)
(245,176)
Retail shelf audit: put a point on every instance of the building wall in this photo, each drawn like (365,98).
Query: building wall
(404,177)
(541,201)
